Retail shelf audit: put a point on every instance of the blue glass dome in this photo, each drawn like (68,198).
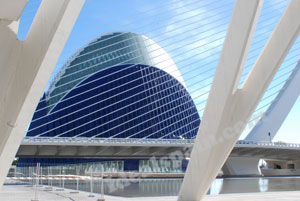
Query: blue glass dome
(124,101)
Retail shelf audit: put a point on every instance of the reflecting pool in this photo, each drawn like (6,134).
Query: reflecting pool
(170,187)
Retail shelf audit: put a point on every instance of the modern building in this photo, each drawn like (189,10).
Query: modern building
(121,85)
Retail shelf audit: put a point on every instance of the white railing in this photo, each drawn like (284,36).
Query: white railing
(99,141)
(143,142)
(268,144)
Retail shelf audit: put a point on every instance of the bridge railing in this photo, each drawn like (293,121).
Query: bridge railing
(137,141)
(268,144)
(81,140)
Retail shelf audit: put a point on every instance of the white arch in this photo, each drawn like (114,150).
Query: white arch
(26,66)
(278,110)
(229,108)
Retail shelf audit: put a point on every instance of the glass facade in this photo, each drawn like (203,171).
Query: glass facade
(160,166)
(106,51)
(70,165)
(138,102)
(110,89)
(118,86)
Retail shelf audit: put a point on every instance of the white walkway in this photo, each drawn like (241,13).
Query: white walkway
(16,193)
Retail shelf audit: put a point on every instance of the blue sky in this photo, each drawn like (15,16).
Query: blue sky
(290,130)
(191,31)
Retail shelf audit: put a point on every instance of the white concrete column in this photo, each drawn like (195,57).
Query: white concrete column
(26,67)
(269,123)
(228,108)
(241,166)
(278,110)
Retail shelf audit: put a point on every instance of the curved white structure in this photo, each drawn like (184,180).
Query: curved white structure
(12,10)
(269,123)
(278,110)
(228,107)
(26,66)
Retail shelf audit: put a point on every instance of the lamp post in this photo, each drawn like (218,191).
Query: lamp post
(270,137)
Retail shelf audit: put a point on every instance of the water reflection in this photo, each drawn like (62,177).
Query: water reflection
(263,184)
(171,187)
(142,187)
(236,185)
(216,187)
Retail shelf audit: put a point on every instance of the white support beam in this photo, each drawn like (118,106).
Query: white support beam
(228,108)
(278,110)
(12,10)
(26,67)
(269,123)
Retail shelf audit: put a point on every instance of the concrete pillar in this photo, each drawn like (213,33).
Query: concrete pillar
(241,166)
(229,108)
(26,66)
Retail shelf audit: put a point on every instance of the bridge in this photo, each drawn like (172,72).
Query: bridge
(146,148)
(243,160)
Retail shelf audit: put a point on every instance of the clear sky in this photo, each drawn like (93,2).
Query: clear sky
(290,129)
(192,32)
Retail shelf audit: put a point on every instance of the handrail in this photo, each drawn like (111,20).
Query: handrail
(122,141)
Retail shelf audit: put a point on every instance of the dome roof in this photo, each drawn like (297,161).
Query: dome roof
(138,101)
(107,51)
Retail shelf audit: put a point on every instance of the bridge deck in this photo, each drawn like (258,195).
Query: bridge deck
(141,148)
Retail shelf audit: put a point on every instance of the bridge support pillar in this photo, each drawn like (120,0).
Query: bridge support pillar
(26,66)
(241,166)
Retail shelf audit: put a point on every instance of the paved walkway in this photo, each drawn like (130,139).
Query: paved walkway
(23,193)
